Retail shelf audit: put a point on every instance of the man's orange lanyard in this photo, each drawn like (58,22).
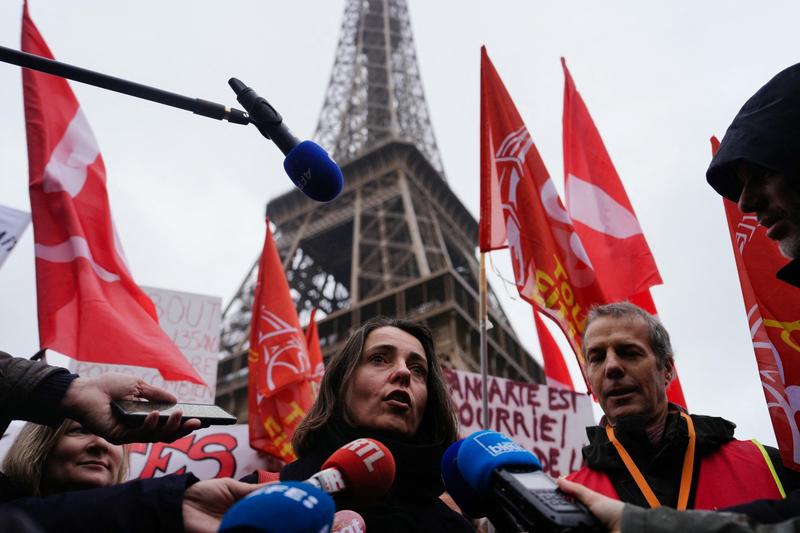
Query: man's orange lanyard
(686,473)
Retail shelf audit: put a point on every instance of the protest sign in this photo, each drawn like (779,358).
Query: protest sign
(192,321)
(12,224)
(221,451)
(548,421)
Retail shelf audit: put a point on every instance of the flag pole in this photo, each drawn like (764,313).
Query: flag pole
(484,312)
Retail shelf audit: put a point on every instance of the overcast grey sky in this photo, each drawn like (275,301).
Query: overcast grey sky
(188,193)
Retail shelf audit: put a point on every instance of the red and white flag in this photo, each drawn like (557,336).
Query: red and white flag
(521,209)
(280,372)
(603,215)
(555,368)
(89,307)
(773,313)
(599,207)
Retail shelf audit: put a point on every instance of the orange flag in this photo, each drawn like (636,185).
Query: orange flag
(280,390)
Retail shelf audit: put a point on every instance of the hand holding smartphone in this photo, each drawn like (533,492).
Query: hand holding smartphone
(134,412)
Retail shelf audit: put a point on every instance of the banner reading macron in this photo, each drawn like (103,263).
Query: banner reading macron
(551,422)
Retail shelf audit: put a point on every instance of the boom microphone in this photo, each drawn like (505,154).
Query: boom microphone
(308,165)
(286,506)
(510,477)
(362,471)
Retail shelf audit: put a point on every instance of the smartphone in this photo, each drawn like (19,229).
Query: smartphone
(134,412)
(534,498)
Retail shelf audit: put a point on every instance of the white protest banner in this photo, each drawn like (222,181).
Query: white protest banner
(12,224)
(551,422)
(219,451)
(192,321)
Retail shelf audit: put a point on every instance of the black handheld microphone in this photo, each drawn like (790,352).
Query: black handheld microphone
(308,165)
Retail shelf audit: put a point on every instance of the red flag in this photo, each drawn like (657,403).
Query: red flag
(599,207)
(89,307)
(551,267)
(555,369)
(280,391)
(314,352)
(603,215)
(773,313)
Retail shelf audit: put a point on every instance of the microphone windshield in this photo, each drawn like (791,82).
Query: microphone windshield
(485,451)
(286,506)
(314,172)
(367,467)
(469,501)
(348,521)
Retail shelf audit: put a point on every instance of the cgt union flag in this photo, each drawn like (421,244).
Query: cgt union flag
(773,314)
(281,388)
(555,368)
(314,352)
(520,209)
(603,216)
(89,307)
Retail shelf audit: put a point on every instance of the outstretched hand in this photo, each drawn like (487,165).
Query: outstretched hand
(205,502)
(88,400)
(607,510)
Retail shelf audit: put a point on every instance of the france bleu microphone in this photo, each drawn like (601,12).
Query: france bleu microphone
(471,503)
(308,165)
(497,468)
(285,507)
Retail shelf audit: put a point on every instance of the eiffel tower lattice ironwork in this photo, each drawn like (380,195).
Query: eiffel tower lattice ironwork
(397,241)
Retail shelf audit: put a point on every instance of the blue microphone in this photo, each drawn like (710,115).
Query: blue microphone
(485,451)
(308,165)
(286,506)
(517,495)
(468,500)
(471,503)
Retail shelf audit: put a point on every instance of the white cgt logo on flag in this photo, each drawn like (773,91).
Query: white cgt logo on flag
(594,207)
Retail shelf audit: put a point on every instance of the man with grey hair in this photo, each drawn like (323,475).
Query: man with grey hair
(648,451)
(757,166)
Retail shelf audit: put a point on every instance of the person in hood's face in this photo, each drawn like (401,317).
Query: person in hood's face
(775,199)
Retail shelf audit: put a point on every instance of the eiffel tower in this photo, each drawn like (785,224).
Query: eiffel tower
(397,241)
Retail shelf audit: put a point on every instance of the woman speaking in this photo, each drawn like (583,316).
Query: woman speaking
(386,384)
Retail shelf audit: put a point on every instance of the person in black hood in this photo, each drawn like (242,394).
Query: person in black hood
(758,164)
(386,384)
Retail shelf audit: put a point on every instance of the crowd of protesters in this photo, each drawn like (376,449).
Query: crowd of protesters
(67,468)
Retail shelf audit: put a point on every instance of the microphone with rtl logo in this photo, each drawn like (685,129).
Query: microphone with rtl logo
(347,521)
(359,473)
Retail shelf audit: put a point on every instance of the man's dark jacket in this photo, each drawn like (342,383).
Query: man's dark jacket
(31,390)
(766,132)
